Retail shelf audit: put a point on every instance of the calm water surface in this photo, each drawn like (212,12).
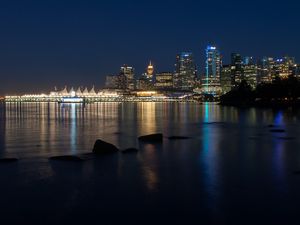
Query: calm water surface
(233,170)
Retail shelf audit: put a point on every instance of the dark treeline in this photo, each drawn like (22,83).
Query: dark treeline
(279,93)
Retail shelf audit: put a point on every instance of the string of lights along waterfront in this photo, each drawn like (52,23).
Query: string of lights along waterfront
(184,83)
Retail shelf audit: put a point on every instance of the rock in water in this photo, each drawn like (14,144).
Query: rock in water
(69,158)
(102,147)
(130,150)
(178,138)
(151,138)
(277,130)
(8,160)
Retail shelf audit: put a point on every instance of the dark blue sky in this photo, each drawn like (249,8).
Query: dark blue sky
(49,43)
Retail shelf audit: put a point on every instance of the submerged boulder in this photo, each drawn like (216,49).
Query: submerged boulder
(69,158)
(8,160)
(277,130)
(130,150)
(178,138)
(102,147)
(151,138)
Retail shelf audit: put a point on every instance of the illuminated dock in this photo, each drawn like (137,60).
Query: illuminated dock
(72,96)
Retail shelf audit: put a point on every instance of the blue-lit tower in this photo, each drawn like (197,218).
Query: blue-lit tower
(211,80)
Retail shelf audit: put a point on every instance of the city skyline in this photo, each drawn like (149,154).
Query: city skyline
(78,43)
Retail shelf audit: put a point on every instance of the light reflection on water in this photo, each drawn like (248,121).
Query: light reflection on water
(232,157)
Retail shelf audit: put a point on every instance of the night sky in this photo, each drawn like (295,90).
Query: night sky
(55,43)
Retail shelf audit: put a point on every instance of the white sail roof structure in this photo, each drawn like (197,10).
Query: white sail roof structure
(71,90)
(92,91)
(85,92)
(64,92)
(79,92)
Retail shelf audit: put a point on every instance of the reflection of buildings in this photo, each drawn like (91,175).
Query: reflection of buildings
(146,116)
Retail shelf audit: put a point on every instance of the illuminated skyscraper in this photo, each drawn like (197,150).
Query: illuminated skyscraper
(146,81)
(265,70)
(236,68)
(225,79)
(211,80)
(127,77)
(185,72)
(283,67)
(150,71)
(164,81)
(250,72)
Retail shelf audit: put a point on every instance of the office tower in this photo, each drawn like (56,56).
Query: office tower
(185,72)
(236,68)
(145,82)
(265,70)
(250,72)
(127,76)
(211,81)
(225,79)
(150,72)
(283,67)
(296,70)
(112,82)
(164,81)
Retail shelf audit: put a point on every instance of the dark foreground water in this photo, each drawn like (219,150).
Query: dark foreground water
(232,171)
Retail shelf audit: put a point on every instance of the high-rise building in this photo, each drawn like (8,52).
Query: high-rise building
(250,72)
(145,82)
(127,74)
(185,72)
(150,72)
(164,81)
(211,81)
(225,79)
(112,82)
(236,68)
(265,70)
(296,70)
(283,67)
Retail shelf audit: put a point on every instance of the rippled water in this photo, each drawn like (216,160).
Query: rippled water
(233,170)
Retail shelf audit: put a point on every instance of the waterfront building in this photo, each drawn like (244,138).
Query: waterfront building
(185,72)
(164,81)
(211,81)
(226,81)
